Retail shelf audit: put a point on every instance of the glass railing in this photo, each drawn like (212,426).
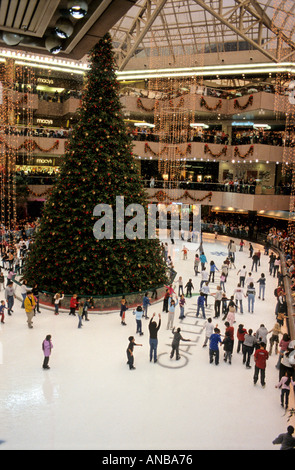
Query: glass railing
(245,188)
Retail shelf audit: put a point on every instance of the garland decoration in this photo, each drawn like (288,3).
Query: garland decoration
(249,102)
(147,149)
(223,151)
(163,196)
(204,104)
(156,105)
(237,153)
(29,145)
(44,193)
(140,105)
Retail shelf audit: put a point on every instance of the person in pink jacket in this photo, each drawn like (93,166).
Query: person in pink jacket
(47,346)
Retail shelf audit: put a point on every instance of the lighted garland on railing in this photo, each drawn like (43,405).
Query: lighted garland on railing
(163,196)
(178,151)
(44,193)
(141,105)
(249,102)
(223,151)
(204,104)
(29,145)
(237,153)
(156,105)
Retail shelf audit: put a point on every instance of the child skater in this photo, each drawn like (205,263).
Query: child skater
(2,308)
(175,343)
(129,352)
(57,300)
(46,347)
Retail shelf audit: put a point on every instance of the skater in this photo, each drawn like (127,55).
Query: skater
(222,281)
(242,272)
(203,260)
(228,347)
(239,294)
(286,440)
(209,329)
(171,312)
(138,316)
(86,306)
(129,352)
(2,308)
(201,305)
(47,347)
(29,308)
(123,311)
(215,339)
(145,303)
(184,251)
(196,264)
(251,249)
(181,306)
(180,286)
(9,296)
(175,343)
(260,358)
(204,277)
(284,385)
(213,269)
(73,304)
(80,313)
(57,300)
(261,334)
(261,281)
(241,332)
(217,301)
(251,297)
(189,286)
(248,347)
(255,260)
(153,329)
(283,345)
(274,339)
(165,301)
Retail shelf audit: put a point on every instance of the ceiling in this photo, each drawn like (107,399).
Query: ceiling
(158,33)
(175,28)
(34,21)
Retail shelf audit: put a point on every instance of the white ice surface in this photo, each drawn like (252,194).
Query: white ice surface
(89,399)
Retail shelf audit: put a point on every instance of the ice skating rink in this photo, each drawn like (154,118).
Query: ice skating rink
(89,399)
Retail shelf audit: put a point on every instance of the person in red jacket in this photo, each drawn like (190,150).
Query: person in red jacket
(241,332)
(260,358)
(73,304)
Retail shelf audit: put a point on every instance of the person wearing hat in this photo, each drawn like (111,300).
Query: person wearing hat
(286,440)
(138,316)
(30,304)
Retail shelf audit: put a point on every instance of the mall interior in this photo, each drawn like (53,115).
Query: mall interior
(207,92)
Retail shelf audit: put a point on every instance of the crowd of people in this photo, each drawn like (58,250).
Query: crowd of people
(209,281)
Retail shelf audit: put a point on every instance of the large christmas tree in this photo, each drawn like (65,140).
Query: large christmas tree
(98,166)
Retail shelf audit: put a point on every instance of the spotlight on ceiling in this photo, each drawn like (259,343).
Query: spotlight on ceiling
(11,39)
(53,44)
(78,9)
(64,28)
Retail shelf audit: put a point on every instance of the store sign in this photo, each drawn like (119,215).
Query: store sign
(44,161)
(45,81)
(45,121)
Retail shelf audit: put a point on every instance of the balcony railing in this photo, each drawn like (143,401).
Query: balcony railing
(244,188)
